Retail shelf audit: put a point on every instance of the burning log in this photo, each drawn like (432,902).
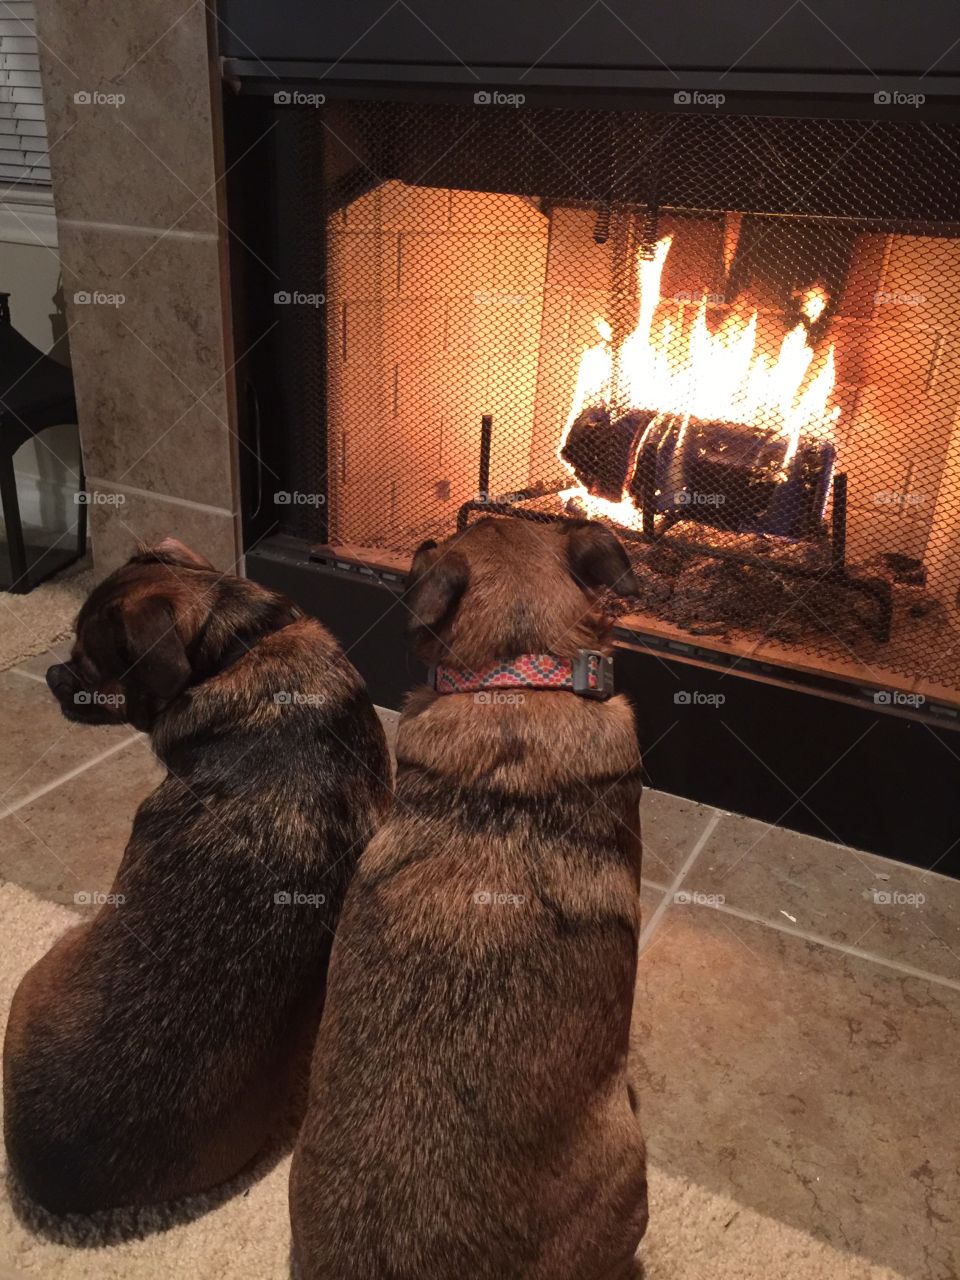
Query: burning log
(733,476)
(706,464)
(602,451)
(730,475)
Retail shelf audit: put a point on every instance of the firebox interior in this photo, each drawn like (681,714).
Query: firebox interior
(736,339)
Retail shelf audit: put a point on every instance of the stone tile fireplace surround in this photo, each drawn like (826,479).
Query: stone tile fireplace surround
(132,119)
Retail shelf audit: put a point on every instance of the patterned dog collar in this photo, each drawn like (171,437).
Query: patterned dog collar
(589,674)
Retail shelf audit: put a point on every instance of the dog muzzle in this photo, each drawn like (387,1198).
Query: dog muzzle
(589,674)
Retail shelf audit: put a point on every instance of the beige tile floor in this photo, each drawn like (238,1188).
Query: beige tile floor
(797,1018)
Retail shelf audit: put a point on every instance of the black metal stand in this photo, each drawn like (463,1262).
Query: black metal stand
(875,588)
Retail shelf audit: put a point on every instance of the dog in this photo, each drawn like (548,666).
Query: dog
(469,1112)
(152,1051)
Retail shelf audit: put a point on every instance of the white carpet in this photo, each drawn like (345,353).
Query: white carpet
(693,1235)
(32,623)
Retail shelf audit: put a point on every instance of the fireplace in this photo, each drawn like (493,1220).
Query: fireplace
(734,335)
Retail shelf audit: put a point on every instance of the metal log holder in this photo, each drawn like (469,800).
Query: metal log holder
(875,588)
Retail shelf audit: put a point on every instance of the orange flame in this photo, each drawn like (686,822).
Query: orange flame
(814,303)
(693,372)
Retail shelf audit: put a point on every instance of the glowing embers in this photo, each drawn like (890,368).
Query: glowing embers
(682,421)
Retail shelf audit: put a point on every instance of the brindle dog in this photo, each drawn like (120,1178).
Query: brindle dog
(151,1051)
(469,1111)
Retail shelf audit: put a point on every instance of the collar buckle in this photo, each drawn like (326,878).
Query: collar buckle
(593,674)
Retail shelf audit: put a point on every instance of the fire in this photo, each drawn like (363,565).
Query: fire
(814,303)
(685,368)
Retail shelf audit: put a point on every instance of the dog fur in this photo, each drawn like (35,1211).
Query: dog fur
(469,1112)
(149,1054)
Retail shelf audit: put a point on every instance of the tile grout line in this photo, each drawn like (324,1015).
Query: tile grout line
(129,228)
(647,932)
(117,486)
(29,798)
(898,966)
(26,675)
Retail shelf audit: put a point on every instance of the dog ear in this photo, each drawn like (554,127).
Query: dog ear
(156,658)
(597,559)
(435,585)
(170,551)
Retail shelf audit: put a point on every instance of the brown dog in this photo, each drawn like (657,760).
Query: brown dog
(149,1053)
(469,1112)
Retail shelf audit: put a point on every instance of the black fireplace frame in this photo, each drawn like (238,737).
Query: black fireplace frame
(905,751)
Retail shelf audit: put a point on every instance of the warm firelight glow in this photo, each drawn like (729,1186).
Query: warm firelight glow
(687,369)
(814,303)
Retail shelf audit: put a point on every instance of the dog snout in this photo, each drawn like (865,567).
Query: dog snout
(59,679)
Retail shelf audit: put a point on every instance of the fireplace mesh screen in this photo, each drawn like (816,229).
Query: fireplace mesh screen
(737,339)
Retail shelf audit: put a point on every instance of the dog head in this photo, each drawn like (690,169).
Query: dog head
(163,622)
(509,586)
